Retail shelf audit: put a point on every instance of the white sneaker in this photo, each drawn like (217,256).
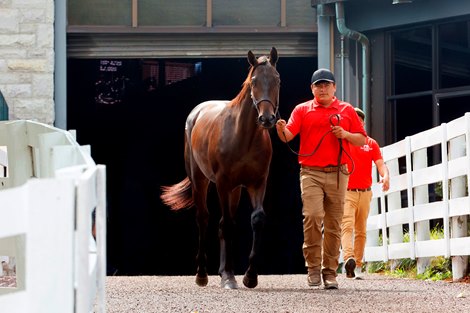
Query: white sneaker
(358,273)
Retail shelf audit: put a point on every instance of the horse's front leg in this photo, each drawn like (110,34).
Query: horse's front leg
(229,204)
(258,219)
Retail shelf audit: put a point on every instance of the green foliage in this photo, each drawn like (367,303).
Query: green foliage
(404,268)
(406,237)
(400,273)
(377,267)
(440,268)
(406,264)
(437,232)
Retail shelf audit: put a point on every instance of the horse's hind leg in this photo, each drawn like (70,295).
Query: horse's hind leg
(229,203)
(202,218)
(258,218)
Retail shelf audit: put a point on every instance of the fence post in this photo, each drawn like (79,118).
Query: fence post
(394,203)
(458,223)
(101,239)
(409,196)
(421,196)
(372,238)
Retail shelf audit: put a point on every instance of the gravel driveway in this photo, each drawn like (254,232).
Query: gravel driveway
(282,294)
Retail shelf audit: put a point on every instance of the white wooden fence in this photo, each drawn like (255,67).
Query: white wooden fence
(46,206)
(409,205)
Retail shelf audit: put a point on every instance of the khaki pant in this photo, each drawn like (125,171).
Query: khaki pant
(323,205)
(353,233)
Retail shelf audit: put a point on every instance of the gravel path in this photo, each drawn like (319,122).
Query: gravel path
(284,294)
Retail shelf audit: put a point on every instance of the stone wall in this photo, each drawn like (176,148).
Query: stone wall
(27,58)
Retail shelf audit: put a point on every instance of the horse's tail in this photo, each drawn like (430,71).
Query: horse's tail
(178,196)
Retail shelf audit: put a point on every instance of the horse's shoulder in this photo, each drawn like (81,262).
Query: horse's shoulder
(214,103)
(209,109)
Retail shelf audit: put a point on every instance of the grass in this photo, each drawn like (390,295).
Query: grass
(439,268)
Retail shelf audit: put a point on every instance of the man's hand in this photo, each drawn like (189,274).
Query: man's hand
(281,125)
(339,132)
(284,134)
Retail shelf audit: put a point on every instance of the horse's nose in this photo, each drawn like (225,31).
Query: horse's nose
(267,121)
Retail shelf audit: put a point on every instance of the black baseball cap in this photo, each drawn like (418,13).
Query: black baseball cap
(323,74)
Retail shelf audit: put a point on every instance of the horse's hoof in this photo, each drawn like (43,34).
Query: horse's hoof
(229,284)
(202,281)
(250,282)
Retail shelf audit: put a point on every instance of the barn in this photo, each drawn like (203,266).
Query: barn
(125,74)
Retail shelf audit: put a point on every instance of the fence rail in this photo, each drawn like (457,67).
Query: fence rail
(429,183)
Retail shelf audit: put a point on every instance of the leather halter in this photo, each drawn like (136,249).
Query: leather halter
(257,102)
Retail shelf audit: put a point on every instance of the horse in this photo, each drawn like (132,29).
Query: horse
(227,143)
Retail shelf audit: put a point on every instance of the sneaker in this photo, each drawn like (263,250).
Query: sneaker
(313,278)
(358,273)
(330,282)
(350,266)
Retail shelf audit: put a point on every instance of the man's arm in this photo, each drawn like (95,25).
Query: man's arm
(384,173)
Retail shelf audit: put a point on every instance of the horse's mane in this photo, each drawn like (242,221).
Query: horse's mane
(246,84)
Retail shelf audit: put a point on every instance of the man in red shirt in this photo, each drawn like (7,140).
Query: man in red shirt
(357,204)
(326,126)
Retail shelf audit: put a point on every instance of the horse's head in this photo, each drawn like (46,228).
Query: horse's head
(265,84)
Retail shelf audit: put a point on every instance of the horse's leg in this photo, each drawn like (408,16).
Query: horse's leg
(229,203)
(258,218)
(200,187)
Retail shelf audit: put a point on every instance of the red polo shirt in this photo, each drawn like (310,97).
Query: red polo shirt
(363,156)
(312,122)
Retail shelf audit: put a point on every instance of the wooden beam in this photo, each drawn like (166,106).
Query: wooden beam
(135,13)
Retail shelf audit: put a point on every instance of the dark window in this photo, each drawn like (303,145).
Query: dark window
(453,107)
(454,54)
(430,76)
(413,115)
(412,60)
(3,108)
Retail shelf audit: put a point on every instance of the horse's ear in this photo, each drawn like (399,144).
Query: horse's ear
(273,56)
(252,59)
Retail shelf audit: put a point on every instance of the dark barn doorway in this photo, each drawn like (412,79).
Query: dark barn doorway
(132,113)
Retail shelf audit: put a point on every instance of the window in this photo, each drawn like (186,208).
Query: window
(430,75)
(454,54)
(172,13)
(99,12)
(194,13)
(412,61)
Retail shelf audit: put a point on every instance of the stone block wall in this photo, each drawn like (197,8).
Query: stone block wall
(27,58)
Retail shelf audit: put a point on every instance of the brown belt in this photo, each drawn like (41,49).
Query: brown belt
(326,169)
(359,190)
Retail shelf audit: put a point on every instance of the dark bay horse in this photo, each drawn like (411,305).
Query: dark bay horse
(228,143)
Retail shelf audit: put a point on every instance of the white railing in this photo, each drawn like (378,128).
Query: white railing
(410,205)
(46,205)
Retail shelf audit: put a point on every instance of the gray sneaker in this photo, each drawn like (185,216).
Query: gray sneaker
(358,273)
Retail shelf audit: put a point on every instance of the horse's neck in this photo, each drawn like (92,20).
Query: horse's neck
(247,115)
